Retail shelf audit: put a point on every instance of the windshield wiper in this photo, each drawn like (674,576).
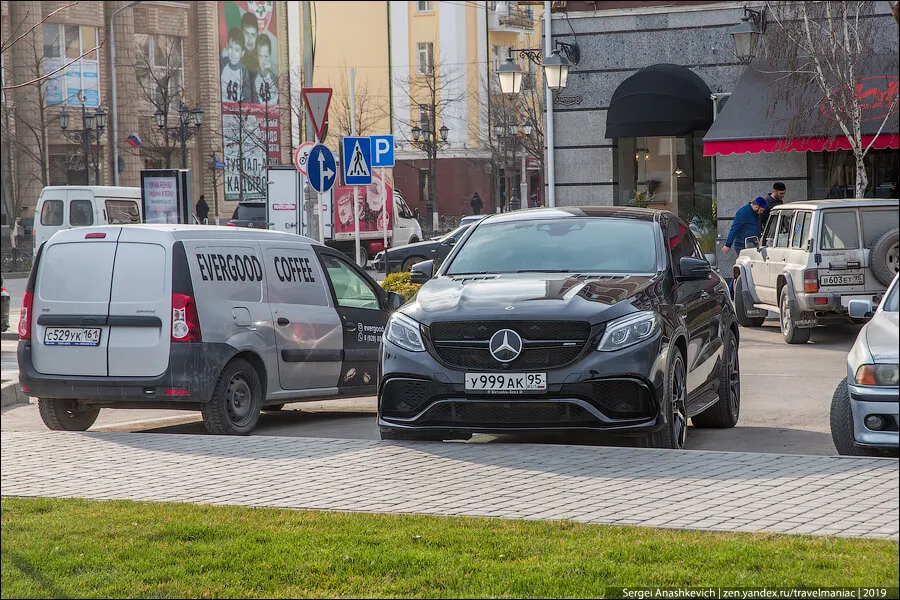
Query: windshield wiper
(469,273)
(543,271)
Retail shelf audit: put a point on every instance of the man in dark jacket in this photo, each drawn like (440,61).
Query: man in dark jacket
(202,209)
(476,204)
(774,198)
(747,223)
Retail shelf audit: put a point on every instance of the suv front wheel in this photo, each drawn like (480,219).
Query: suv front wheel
(792,335)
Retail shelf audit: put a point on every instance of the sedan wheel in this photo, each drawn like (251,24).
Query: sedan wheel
(409,262)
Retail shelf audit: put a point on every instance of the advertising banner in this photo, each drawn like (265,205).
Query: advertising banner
(371,201)
(249,52)
(164,196)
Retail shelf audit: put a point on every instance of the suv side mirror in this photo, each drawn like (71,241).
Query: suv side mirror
(693,268)
(395,300)
(751,242)
(422,272)
(860,309)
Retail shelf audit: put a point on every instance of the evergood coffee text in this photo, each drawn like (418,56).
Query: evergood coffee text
(294,268)
(229,267)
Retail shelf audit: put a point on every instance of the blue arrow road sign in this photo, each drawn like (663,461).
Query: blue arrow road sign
(382,151)
(321,168)
(356,163)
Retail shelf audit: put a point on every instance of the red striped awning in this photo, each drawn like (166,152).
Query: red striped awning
(817,144)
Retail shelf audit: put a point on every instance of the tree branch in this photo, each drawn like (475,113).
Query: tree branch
(54,72)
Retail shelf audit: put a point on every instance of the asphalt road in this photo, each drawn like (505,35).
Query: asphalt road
(786,396)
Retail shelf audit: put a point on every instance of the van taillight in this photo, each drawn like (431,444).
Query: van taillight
(25,317)
(185,322)
(811,281)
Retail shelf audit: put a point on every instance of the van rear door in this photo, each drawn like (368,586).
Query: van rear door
(50,215)
(140,305)
(71,304)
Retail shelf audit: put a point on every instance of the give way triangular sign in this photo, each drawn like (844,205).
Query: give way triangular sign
(317,101)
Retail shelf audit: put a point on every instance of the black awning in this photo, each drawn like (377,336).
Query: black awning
(760,117)
(659,100)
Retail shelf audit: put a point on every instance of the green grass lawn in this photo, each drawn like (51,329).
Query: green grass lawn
(81,548)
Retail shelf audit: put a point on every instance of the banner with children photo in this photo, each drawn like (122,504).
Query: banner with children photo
(248,47)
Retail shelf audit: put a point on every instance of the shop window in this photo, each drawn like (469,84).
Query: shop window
(833,174)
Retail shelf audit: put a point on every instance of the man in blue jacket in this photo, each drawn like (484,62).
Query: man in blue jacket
(746,224)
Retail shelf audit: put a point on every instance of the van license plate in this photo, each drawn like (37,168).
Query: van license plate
(854,279)
(506,382)
(72,336)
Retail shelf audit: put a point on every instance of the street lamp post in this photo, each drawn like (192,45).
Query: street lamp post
(426,138)
(87,132)
(183,132)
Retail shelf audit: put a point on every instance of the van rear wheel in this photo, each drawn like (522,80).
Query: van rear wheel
(60,414)
(236,401)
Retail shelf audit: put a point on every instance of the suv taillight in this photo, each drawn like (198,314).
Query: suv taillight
(811,281)
(185,322)
(25,317)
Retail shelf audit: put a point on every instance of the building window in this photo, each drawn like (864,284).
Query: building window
(63,43)
(425,57)
(424,6)
(833,174)
(159,69)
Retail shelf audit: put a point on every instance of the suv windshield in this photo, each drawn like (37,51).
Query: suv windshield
(578,245)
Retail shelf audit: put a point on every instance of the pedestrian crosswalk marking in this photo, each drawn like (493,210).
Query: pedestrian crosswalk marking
(358,167)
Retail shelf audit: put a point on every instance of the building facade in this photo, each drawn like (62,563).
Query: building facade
(427,65)
(616,144)
(167,55)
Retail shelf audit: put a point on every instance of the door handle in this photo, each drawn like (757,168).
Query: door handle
(350,326)
(704,294)
(283,321)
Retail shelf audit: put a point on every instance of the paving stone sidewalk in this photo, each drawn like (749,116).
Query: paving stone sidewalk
(722,491)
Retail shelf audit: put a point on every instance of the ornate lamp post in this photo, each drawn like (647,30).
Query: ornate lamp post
(746,33)
(182,132)
(425,137)
(87,133)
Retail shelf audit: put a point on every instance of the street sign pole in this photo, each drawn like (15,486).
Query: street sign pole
(384,212)
(355,188)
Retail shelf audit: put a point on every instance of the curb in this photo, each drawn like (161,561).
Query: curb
(9,335)
(10,394)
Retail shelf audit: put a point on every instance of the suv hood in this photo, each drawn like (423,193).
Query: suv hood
(591,298)
(882,337)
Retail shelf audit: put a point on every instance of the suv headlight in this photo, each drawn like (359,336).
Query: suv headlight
(884,375)
(404,332)
(630,330)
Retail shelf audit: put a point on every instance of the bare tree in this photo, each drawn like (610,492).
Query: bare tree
(367,107)
(824,45)
(430,91)
(24,122)
(158,64)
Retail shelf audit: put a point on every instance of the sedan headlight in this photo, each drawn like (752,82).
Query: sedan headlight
(629,330)
(882,375)
(404,332)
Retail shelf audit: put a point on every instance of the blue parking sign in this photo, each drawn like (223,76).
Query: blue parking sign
(382,150)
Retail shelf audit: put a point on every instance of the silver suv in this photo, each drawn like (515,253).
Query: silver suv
(813,259)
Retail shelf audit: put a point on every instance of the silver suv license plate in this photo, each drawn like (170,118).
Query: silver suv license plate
(854,279)
(506,382)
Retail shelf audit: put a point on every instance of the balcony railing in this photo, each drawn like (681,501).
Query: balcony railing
(510,18)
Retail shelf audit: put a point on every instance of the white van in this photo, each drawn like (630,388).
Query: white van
(228,321)
(65,206)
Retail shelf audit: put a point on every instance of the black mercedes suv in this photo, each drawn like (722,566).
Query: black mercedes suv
(569,319)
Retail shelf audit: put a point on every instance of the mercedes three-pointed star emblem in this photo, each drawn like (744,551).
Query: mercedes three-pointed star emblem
(506,345)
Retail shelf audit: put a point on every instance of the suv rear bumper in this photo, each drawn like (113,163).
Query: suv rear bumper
(189,380)
(829,302)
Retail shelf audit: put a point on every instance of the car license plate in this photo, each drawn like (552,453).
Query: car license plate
(72,336)
(853,279)
(506,382)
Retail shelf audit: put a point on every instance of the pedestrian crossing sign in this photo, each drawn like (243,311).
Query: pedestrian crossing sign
(356,160)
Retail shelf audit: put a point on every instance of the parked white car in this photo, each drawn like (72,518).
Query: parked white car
(814,258)
(866,404)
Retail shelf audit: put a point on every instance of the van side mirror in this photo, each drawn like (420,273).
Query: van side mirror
(395,300)
(422,272)
(751,242)
(860,309)
(693,268)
